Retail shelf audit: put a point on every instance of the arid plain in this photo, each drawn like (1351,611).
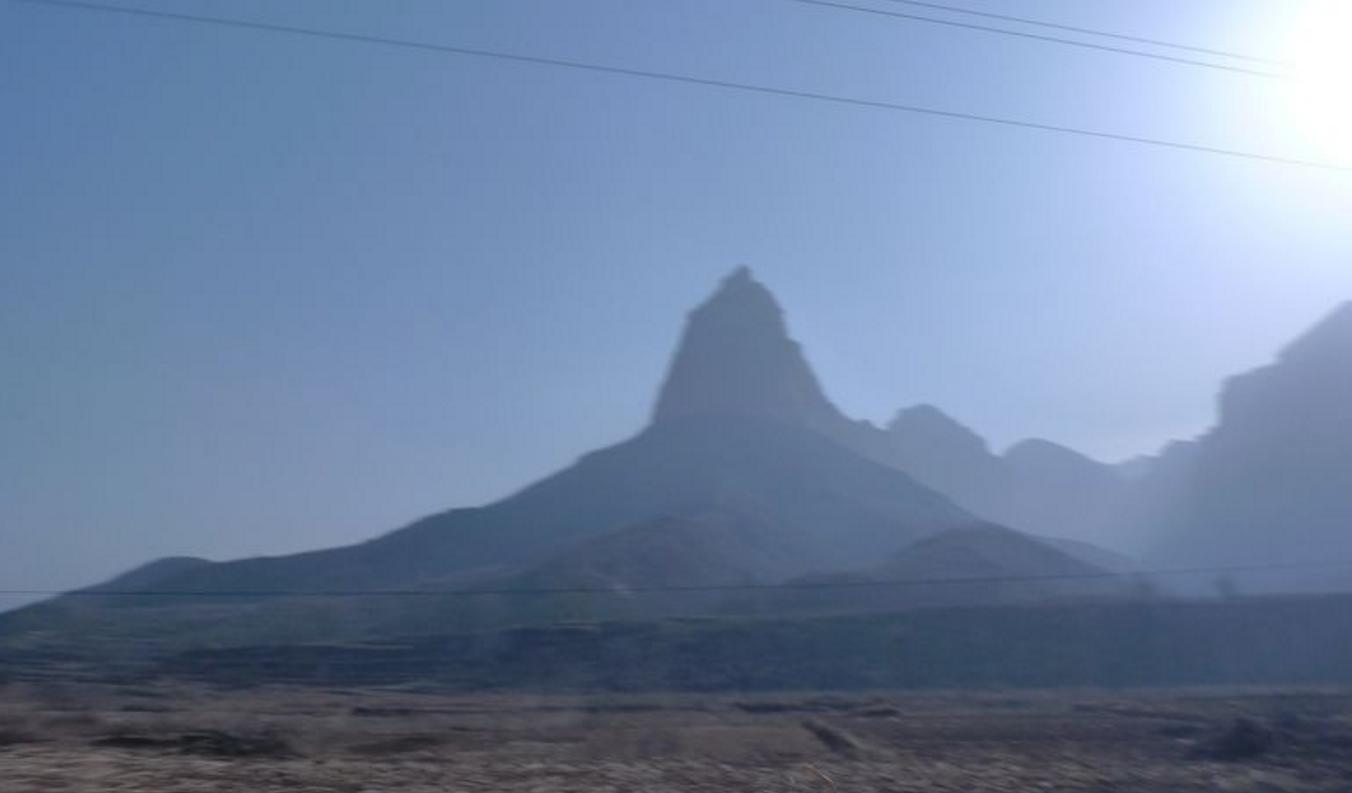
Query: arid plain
(98,737)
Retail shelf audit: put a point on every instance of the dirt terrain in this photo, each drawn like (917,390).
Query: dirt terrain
(69,737)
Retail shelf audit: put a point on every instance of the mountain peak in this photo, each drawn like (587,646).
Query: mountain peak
(1039,452)
(741,298)
(736,358)
(925,416)
(925,421)
(741,275)
(921,412)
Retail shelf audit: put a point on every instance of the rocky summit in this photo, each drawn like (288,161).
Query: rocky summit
(735,358)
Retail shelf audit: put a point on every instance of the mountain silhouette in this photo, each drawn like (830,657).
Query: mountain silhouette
(1058,491)
(1271,483)
(1036,486)
(735,358)
(747,473)
(946,455)
(749,494)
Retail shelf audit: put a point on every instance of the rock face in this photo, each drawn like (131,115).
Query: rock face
(1271,484)
(735,358)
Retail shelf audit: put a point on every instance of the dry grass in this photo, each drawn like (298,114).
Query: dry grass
(186,739)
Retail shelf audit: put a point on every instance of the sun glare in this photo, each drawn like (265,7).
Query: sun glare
(1319,49)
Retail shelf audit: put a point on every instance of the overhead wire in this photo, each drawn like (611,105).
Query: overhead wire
(1244,56)
(675,588)
(835,4)
(708,82)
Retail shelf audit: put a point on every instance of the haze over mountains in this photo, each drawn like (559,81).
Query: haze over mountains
(749,475)
(1272,482)
(736,358)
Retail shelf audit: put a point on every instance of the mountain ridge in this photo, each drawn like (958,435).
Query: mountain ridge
(736,358)
(748,472)
(1271,481)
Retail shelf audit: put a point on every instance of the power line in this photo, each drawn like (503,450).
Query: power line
(1094,32)
(674,588)
(1042,38)
(672,77)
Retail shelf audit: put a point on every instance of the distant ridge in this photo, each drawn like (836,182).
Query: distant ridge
(736,358)
(1272,481)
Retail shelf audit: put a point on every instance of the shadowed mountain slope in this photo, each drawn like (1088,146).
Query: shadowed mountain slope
(712,548)
(150,573)
(830,508)
(972,565)
(1272,482)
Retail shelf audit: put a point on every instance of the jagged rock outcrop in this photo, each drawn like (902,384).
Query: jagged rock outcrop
(735,358)
(1271,484)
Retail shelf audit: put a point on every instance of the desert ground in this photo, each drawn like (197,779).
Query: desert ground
(165,737)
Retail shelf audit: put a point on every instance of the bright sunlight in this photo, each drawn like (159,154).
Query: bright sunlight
(1320,95)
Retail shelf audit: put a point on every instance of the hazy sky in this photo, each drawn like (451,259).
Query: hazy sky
(261,293)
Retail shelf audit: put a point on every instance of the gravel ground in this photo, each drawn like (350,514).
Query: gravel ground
(161,738)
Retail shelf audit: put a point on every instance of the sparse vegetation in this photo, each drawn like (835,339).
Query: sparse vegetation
(270,739)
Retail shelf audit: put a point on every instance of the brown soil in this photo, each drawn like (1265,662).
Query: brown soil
(182,739)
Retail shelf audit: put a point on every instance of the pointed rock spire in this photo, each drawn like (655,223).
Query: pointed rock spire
(736,358)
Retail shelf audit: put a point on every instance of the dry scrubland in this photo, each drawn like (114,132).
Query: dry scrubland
(56,737)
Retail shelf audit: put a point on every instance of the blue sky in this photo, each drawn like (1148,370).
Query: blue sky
(261,293)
